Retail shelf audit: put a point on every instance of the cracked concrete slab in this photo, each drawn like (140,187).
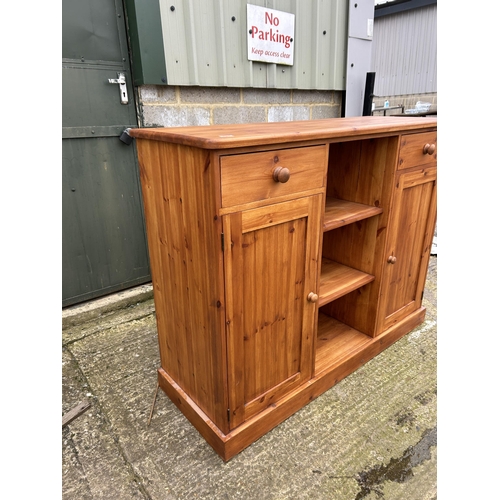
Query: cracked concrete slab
(371,436)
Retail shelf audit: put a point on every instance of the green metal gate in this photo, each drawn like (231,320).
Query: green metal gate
(104,245)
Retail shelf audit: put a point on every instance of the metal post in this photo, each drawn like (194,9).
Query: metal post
(368,99)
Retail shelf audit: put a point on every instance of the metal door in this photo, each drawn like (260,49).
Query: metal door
(104,245)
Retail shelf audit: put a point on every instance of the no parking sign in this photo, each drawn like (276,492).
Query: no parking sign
(270,35)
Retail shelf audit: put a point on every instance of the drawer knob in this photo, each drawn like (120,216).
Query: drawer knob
(391,259)
(281,174)
(429,149)
(312,297)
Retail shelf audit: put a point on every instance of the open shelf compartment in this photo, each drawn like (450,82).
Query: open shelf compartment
(337,280)
(339,213)
(336,342)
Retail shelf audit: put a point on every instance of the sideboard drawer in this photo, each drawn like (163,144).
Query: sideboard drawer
(418,149)
(250,177)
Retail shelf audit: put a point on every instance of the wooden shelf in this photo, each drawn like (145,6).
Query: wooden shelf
(335,342)
(337,280)
(340,212)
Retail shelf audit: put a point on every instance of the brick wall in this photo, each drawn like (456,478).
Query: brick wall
(166,106)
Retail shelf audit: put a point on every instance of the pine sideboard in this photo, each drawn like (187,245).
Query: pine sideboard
(283,257)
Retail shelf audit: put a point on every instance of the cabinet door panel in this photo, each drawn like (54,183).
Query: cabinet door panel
(271,265)
(411,228)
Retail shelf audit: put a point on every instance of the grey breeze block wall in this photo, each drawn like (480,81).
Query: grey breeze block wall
(175,106)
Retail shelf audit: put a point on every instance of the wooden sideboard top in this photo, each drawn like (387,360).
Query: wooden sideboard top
(257,134)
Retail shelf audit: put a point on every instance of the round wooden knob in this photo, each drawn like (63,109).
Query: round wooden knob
(312,297)
(429,149)
(391,259)
(281,174)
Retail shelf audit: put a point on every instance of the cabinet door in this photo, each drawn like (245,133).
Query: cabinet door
(271,266)
(411,228)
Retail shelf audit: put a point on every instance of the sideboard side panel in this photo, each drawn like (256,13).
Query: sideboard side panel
(181,203)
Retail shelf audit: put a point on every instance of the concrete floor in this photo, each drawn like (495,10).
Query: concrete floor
(372,436)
